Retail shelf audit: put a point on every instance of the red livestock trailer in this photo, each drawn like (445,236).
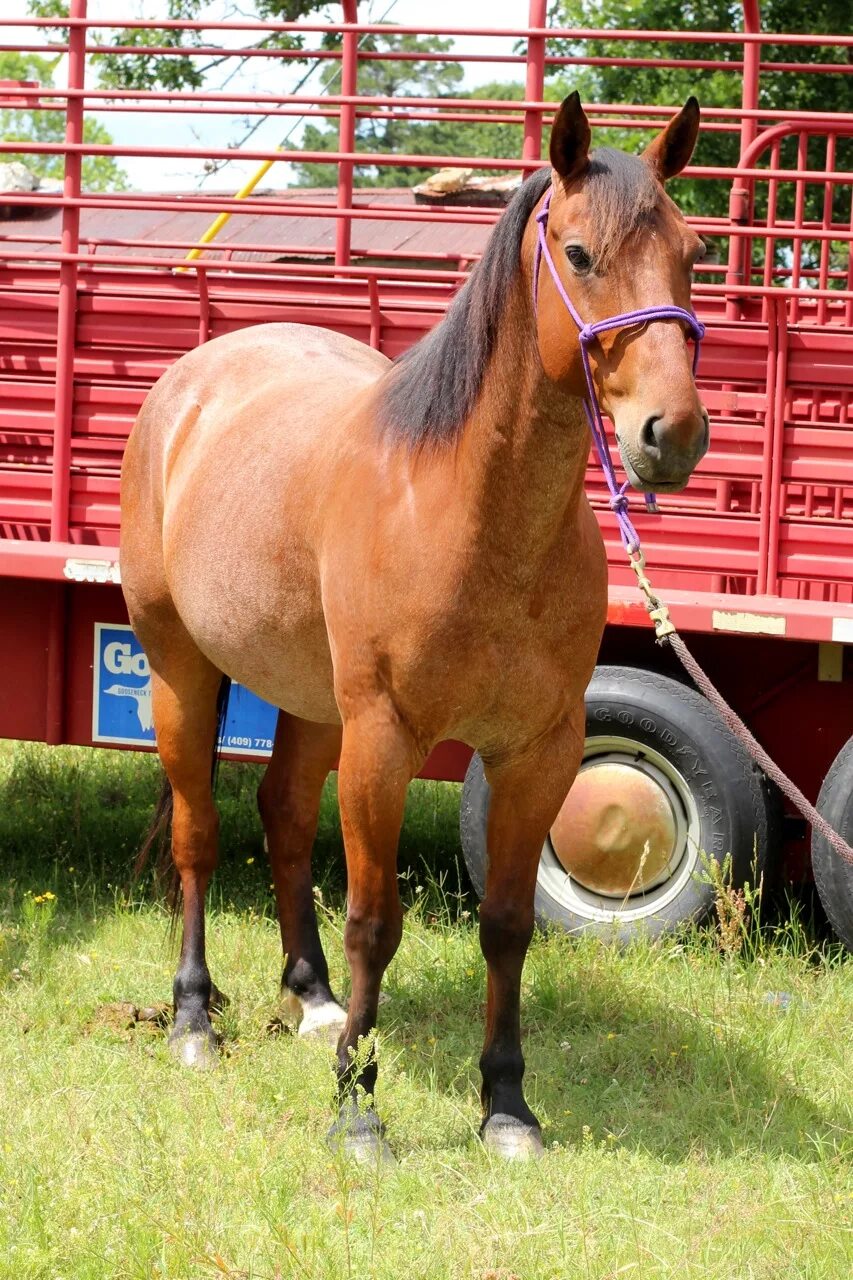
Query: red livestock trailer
(754,559)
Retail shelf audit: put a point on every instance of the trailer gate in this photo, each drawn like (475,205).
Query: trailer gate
(93,310)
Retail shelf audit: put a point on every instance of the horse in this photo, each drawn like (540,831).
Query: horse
(395,554)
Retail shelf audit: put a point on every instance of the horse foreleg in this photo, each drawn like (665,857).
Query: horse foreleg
(378,760)
(185,720)
(289,801)
(526,795)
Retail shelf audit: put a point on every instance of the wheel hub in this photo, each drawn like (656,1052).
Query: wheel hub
(616,833)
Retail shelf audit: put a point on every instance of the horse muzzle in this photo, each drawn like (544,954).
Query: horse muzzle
(662,453)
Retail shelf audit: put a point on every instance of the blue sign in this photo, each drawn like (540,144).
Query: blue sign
(121,700)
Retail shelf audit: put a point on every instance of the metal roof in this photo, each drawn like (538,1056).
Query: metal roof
(290,234)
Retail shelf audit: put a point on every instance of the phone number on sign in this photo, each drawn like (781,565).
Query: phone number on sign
(251,744)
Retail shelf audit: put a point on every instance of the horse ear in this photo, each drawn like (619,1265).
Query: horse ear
(569,149)
(672,149)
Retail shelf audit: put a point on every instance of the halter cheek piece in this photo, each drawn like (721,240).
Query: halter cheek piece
(587,334)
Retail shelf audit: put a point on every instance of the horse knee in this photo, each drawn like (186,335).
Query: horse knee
(372,939)
(505,930)
(283,816)
(271,798)
(195,833)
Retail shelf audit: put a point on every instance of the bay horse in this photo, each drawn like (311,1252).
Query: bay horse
(397,554)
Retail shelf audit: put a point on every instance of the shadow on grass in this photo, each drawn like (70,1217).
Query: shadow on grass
(72,821)
(609,1065)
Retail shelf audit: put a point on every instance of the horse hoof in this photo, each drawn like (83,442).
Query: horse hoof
(361,1138)
(196,1049)
(512,1139)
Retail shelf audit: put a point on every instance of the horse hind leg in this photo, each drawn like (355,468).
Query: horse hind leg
(185,689)
(289,803)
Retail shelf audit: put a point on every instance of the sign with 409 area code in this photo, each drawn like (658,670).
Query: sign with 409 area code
(121,700)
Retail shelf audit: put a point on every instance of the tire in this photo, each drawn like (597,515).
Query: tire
(716,801)
(833,876)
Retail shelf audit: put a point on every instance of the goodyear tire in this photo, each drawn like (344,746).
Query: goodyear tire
(666,744)
(833,876)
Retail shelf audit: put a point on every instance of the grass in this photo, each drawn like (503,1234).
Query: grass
(696,1124)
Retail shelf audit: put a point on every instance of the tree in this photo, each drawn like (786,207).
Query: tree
(26,124)
(396,133)
(721,88)
(166,71)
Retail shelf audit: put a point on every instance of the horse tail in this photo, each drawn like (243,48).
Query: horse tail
(157,837)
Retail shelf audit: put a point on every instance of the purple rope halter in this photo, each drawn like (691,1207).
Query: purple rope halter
(587,334)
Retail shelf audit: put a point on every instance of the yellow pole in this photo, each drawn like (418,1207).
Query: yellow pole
(219,221)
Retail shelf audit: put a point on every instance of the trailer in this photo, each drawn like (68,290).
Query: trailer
(98,297)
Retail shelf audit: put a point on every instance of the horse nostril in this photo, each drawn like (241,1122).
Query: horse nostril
(649,442)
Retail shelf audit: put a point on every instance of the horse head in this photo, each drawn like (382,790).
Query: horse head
(616,244)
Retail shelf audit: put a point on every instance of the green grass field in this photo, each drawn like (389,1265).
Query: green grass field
(696,1124)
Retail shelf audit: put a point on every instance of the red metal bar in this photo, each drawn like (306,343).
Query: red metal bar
(301,273)
(776,427)
(534,89)
(216,51)
(260,103)
(380,158)
(365,28)
(68,286)
(346,133)
(828,193)
(749,126)
(56,656)
(799,213)
(767,449)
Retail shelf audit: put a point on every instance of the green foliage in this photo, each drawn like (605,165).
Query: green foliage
(414,137)
(388,79)
(144,70)
(100,173)
(671,86)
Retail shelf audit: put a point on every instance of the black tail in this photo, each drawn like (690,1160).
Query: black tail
(158,835)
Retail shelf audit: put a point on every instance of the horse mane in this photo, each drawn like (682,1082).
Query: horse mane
(432,388)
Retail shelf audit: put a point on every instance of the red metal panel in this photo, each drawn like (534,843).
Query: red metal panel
(765,528)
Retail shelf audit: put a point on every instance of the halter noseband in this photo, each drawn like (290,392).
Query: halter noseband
(587,334)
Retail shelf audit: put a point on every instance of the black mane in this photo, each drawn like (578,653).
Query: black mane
(432,389)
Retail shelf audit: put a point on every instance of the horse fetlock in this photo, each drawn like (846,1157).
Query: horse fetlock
(357,1066)
(502,1066)
(192,984)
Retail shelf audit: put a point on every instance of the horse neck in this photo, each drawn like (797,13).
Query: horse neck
(525,446)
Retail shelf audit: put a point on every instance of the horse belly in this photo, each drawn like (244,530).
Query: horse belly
(276,645)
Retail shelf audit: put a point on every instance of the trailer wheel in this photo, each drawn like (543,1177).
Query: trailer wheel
(662,782)
(833,876)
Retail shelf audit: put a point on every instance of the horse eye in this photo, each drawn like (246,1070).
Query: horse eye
(578,257)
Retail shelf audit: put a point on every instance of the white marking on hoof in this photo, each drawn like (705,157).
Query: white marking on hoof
(194,1049)
(324,1021)
(512,1140)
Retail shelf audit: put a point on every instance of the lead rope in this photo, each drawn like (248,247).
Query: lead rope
(667,634)
(665,629)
